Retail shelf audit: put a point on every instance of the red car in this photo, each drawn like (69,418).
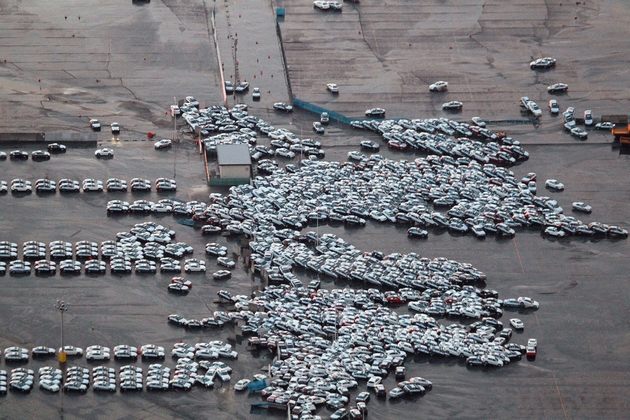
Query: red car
(394,298)
(531,351)
(395,144)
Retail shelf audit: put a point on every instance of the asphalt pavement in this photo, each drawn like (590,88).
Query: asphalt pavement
(127,61)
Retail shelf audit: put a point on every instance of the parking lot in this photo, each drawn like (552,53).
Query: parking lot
(580,283)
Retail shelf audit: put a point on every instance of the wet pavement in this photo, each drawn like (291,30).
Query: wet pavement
(581,284)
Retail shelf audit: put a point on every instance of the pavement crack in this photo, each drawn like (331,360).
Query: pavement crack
(374,52)
(69,74)
(122,84)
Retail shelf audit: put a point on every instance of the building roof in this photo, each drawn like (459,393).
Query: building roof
(233,154)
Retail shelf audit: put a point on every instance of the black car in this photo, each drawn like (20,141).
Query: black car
(543,63)
(363,397)
(375,112)
(18,154)
(40,155)
(370,145)
(56,148)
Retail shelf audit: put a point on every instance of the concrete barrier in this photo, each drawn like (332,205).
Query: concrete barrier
(69,139)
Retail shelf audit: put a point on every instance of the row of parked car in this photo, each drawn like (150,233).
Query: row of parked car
(88,185)
(126,378)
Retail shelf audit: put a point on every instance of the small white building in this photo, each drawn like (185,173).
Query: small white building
(235,165)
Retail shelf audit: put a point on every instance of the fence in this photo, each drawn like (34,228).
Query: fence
(318,110)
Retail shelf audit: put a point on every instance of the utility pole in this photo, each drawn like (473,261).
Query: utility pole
(174,121)
(61,306)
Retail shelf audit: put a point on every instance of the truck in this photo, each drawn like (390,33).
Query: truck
(622,133)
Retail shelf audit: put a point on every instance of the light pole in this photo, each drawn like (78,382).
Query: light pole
(61,305)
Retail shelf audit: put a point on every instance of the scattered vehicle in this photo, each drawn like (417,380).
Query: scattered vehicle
(375,112)
(332,87)
(517,324)
(553,106)
(281,106)
(105,152)
(242,87)
(542,63)
(318,127)
(229,87)
(479,122)
(554,184)
(191,101)
(554,231)
(370,145)
(439,86)
(604,126)
(588,117)
(115,128)
(581,206)
(95,124)
(18,154)
(56,148)
(579,133)
(163,144)
(40,155)
(256,94)
(324,118)
(533,108)
(452,105)
(557,87)
(241,385)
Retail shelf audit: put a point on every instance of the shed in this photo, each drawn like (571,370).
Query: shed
(235,165)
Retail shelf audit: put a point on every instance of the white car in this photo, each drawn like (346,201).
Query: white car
(452,105)
(284,152)
(71,350)
(479,122)
(92,185)
(49,385)
(580,206)
(579,133)
(439,86)
(554,231)
(332,87)
(163,144)
(95,124)
(528,302)
(105,152)
(115,128)
(373,381)
(554,184)
(242,384)
(553,106)
(190,100)
(97,355)
(321,5)
(588,117)
(533,108)
(256,94)
(517,324)
(43,351)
